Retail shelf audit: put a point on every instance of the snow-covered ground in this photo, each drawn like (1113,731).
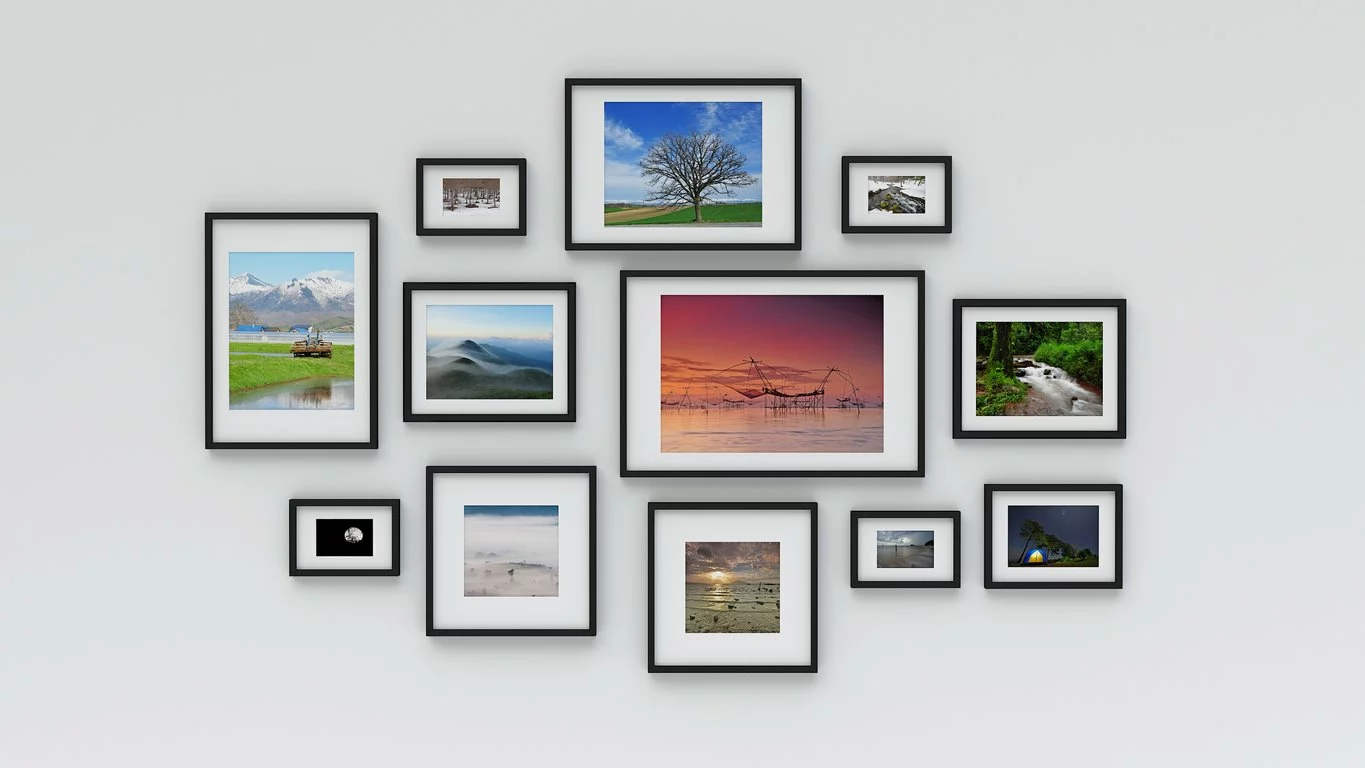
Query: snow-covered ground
(461,212)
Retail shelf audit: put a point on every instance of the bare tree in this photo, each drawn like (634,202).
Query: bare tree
(693,169)
(240,314)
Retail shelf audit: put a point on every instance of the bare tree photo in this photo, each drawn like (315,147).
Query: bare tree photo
(461,195)
(693,169)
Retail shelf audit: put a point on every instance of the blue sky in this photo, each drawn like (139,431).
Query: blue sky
(527,322)
(630,127)
(277,267)
(917,538)
(507,510)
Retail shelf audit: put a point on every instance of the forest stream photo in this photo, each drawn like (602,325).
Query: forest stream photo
(1039,369)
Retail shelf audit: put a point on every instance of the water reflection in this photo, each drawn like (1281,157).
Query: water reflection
(308,395)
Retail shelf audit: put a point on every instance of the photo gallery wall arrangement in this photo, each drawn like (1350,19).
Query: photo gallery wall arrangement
(772,373)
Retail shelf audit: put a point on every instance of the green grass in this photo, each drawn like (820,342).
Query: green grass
(714,214)
(251,372)
(614,208)
(995,390)
(1084,360)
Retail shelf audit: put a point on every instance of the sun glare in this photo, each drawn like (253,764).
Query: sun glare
(717,576)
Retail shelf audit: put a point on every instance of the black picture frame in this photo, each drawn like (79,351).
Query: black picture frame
(570,289)
(813,509)
(945,228)
(992,488)
(210,442)
(425,231)
(1120,404)
(590,472)
(296,504)
(856,515)
(717,82)
(626,275)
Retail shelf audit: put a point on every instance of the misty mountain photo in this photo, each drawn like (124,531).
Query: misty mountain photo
(490,352)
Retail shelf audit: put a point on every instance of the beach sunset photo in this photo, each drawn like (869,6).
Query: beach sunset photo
(733,586)
(771,373)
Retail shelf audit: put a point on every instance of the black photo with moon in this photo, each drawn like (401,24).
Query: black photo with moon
(345,537)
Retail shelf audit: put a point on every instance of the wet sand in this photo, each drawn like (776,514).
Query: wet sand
(734,608)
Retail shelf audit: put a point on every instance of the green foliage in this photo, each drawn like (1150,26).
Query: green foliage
(1084,360)
(253,371)
(995,389)
(710,214)
(1027,337)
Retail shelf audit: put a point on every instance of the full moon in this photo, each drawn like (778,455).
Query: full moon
(354,535)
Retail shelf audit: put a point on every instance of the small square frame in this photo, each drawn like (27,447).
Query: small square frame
(517,162)
(590,472)
(813,509)
(295,504)
(858,515)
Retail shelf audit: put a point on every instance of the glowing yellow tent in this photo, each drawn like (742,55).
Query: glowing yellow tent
(1037,556)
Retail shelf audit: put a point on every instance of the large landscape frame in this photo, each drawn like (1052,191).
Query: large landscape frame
(916,357)
(574,243)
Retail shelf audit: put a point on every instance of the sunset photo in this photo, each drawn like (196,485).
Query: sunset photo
(733,586)
(771,373)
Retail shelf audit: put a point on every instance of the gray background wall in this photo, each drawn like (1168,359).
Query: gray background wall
(1202,160)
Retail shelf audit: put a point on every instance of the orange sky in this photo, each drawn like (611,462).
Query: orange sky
(799,336)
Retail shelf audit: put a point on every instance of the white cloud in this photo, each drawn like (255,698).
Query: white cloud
(622,181)
(335,274)
(706,122)
(620,136)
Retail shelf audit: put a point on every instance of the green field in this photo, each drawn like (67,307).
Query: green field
(731,213)
(614,208)
(251,371)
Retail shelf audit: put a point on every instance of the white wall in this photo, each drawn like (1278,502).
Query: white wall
(1203,160)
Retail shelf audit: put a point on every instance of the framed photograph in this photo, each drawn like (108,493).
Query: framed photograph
(898,194)
(905,549)
(343,537)
(291,330)
(682,164)
(772,374)
(732,587)
(1042,368)
(511,550)
(488,352)
(471,196)
(1054,536)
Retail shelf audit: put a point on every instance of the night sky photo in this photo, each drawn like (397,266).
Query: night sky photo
(345,537)
(1066,535)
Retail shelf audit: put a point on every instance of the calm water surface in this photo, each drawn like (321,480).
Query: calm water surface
(321,394)
(760,430)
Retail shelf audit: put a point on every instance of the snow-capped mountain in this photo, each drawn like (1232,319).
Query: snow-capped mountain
(299,294)
(247,283)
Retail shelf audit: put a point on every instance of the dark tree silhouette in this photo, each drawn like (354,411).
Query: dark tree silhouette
(692,169)
(1001,359)
(1031,530)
